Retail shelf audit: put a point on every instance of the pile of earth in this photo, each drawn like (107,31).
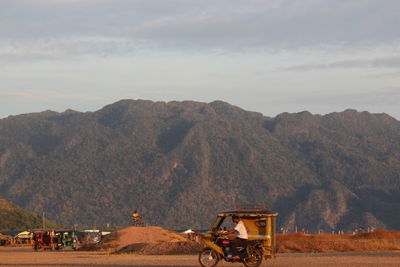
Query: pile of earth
(146,240)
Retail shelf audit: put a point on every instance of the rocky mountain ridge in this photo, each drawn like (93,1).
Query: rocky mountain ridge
(179,163)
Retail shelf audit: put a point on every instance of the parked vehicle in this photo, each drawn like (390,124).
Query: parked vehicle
(65,239)
(260,224)
(43,239)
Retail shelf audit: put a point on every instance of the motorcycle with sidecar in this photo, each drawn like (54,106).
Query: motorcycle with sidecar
(260,225)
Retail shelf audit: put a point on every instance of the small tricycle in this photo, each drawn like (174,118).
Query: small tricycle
(42,239)
(260,226)
(65,239)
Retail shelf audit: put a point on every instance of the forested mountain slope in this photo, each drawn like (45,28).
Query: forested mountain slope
(180,162)
(13,217)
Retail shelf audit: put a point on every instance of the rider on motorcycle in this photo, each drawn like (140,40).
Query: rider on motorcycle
(241,235)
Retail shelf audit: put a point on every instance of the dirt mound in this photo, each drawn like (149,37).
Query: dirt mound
(163,248)
(136,235)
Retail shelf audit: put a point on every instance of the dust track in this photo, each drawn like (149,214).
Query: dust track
(24,257)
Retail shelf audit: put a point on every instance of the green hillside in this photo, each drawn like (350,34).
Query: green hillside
(16,218)
(178,163)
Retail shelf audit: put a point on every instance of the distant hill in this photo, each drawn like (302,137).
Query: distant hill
(179,163)
(16,218)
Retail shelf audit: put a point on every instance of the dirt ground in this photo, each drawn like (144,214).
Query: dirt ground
(24,257)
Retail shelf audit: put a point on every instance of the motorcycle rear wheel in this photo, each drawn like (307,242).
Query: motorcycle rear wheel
(208,257)
(254,257)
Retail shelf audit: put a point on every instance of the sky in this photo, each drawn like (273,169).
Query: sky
(269,56)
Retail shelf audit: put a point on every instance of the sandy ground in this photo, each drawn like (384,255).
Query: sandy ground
(26,257)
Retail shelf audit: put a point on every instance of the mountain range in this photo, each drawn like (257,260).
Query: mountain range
(179,163)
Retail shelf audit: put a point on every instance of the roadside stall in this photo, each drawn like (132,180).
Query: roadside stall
(23,238)
(5,240)
(89,236)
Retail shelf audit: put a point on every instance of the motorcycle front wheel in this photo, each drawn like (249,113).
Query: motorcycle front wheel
(254,257)
(208,257)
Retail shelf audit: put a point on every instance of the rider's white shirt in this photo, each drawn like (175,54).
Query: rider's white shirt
(242,230)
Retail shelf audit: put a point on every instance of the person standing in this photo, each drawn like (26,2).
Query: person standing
(135,218)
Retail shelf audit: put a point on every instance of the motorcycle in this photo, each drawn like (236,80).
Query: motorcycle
(220,248)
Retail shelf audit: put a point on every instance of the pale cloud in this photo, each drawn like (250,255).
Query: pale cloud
(207,24)
(377,63)
(50,95)
(61,48)
(28,96)
(389,96)
(253,53)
